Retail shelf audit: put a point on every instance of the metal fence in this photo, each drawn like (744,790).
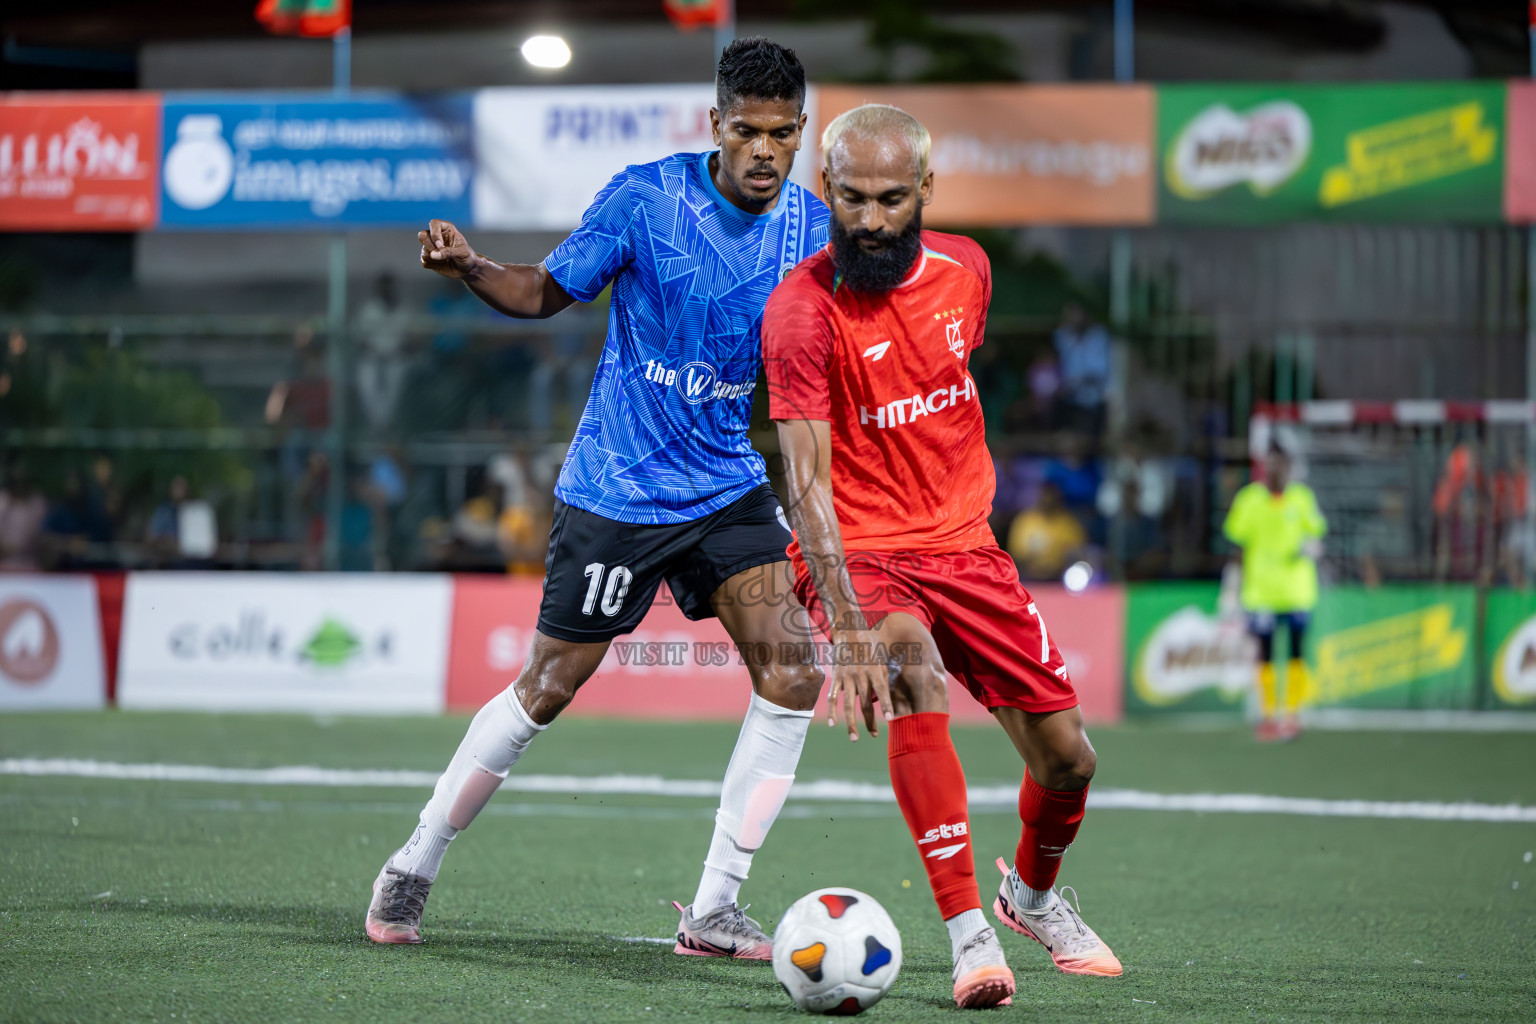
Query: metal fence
(257,411)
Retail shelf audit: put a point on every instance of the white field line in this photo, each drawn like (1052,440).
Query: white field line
(822,790)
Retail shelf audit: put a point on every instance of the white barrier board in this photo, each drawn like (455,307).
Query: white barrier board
(356,644)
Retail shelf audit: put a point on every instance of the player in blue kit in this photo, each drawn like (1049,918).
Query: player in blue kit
(660,481)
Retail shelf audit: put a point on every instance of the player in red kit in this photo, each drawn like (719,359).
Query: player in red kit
(866,346)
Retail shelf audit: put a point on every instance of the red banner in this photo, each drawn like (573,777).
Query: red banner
(79,162)
(1520,153)
(681,670)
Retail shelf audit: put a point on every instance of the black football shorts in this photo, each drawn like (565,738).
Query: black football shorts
(601,575)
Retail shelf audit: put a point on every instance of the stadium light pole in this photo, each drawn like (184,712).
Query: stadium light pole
(1120,256)
(336,361)
(1530,355)
(725,28)
(1125,40)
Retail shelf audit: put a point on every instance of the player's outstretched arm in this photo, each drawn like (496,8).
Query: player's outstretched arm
(857,676)
(515,289)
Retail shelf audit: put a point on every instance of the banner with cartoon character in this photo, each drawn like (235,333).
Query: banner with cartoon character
(1405,152)
(1509,638)
(1397,647)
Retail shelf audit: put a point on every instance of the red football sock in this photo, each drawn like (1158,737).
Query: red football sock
(1051,818)
(930,787)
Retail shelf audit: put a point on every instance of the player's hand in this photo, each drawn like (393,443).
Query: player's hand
(444,249)
(858,681)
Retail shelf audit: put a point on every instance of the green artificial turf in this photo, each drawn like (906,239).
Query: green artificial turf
(200,902)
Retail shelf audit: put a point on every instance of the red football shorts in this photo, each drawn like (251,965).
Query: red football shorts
(989,631)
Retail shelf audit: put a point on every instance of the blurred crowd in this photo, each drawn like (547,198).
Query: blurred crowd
(455,435)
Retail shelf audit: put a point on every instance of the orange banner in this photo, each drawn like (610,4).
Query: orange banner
(1005,155)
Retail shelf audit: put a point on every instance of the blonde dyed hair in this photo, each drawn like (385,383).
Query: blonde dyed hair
(878,121)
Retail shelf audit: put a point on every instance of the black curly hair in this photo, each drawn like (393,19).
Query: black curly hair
(756,68)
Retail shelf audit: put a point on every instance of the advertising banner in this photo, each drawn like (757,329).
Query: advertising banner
(674,668)
(1520,164)
(1404,646)
(1406,152)
(1181,655)
(50,644)
(373,161)
(1005,155)
(340,643)
(546,152)
(1398,647)
(1509,631)
(79,161)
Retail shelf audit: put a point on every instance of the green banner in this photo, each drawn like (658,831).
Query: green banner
(1390,647)
(1402,646)
(1179,655)
(1255,154)
(1509,638)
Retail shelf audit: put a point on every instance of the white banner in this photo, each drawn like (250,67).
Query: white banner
(543,153)
(50,643)
(359,644)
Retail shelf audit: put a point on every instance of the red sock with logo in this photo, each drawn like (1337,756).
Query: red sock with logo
(1051,818)
(930,789)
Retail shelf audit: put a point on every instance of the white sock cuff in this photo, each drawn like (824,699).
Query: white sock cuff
(962,926)
(768,707)
(522,712)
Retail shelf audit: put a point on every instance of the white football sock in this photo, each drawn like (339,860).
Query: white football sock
(497,737)
(962,927)
(422,854)
(756,782)
(1031,901)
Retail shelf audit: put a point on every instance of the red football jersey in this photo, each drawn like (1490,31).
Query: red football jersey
(910,467)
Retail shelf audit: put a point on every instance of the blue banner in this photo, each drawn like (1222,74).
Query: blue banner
(269,162)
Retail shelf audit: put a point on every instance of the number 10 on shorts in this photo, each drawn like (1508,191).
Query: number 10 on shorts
(619,578)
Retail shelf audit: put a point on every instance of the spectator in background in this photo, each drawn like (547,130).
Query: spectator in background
(1133,498)
(1460,502)
(22,514)
(312,493)
(1045,539)
(101,503)
(184,530)
(1511,524)
(1044,380)
(522,534)
(384,491)
(1083,349)
(357,535)
(299,405)
(568,357)
(380,330)
(1383,541)
(473,541)
(1076,474)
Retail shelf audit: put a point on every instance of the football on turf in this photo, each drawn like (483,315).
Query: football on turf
(836,951)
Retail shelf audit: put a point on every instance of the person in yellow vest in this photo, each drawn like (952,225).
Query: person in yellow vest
(1278,526)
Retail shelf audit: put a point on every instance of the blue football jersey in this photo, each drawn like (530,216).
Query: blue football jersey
(663,437)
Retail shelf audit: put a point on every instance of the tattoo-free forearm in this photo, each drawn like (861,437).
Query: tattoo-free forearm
(516,289)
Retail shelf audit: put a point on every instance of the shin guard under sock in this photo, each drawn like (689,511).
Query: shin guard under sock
(1051,818)
(930,789)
